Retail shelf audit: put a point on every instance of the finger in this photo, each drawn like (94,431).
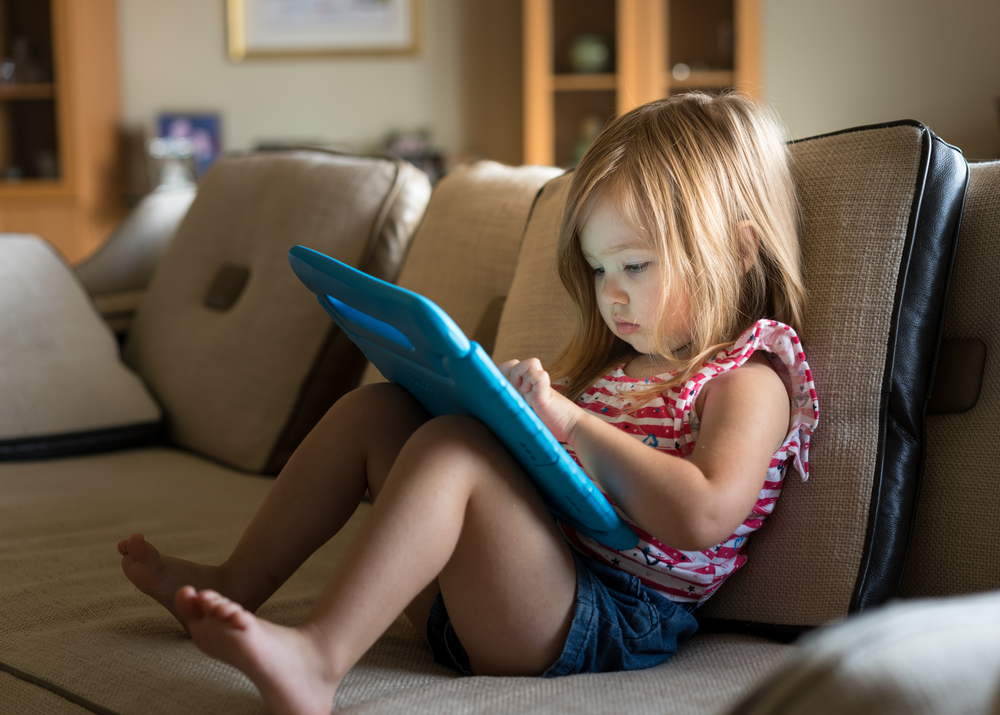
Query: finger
(505,367)
(531,383)
(541,379)
(534,364)
(536,373)
(518,374)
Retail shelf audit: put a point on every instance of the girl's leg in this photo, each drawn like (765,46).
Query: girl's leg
(455,507)
(350,450)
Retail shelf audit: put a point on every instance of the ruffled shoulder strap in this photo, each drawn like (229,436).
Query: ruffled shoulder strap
(784,351)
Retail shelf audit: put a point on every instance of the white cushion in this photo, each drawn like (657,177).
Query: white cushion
(63,387)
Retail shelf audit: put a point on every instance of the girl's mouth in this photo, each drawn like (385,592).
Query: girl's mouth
(625,328)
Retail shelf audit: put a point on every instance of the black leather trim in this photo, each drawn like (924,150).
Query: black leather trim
(76,443)
(911,356)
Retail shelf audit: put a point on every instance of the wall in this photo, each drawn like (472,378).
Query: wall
(832,65)
(174,58)
(827,66)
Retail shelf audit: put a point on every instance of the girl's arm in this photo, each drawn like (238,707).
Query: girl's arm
(694,503)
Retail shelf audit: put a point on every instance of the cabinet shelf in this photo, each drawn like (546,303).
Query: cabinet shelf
(33,188)
(649,38)
(703,79)
(583,82)
(60,167)
(41,90)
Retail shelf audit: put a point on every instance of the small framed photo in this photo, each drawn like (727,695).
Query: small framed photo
(270,28)
(200,134)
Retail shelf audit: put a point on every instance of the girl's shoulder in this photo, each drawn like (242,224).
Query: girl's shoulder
(765,344)
(774,369)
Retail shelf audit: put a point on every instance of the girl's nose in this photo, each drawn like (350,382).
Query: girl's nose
(612,293)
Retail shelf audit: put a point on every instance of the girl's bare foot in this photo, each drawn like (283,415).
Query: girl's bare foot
(287,665)
(162,576)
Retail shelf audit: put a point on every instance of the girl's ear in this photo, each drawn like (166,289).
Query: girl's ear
(749,243)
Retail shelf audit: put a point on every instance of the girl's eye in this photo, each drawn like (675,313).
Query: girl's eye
(598,272)
(636,267)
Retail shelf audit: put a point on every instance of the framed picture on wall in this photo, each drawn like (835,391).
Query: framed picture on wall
(268,28)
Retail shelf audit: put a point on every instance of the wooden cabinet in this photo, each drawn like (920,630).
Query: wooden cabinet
(60,106)
(658,48)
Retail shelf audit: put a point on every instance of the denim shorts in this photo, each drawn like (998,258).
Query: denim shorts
(618,624)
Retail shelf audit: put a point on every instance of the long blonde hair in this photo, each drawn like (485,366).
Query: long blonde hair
(689,174)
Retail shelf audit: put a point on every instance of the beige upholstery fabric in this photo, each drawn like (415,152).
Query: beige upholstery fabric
(230,381)
(127,260)
(856,189)
(60,372)
(707,674)
(69,617)
(464,253)
(24,698)
(920,658)
(117,275)
(539,316)
(953,548)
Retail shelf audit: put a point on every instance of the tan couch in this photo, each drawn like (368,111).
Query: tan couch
(229,360)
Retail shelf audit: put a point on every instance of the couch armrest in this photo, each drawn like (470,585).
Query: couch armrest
(128,258)
(118,309)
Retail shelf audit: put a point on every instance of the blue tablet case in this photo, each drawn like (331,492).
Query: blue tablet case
(417,345)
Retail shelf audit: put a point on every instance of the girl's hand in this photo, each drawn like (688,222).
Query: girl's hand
(532,381)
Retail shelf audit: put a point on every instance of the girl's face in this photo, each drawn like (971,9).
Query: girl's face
(629,280)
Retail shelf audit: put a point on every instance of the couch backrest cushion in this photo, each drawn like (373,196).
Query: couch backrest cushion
(63,387)
(957,526)
(465,251)
(244,384)
(538,318)
(881,208)
(128,258)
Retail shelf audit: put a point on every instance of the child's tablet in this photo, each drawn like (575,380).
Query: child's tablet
(415,344)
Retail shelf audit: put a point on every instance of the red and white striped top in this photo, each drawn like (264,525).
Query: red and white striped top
(669,423)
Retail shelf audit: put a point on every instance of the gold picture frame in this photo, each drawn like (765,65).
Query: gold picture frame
(319,28)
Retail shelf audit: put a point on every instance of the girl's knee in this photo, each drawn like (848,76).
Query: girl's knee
(375,404)
(376,394)
(454,432)
(462,445)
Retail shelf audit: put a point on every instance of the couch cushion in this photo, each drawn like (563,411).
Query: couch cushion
(881,211)
(24,697)
(464,253)
(245,384)
(538,317)
(918,658)
(957,529)
(128,258)
(63,387)
(72,623)
(117,275)
(708,674)
(70,620)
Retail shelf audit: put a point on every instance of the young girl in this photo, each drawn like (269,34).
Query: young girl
(679,247)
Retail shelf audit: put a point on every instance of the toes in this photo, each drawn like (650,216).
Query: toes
(219,607)
(135,545)
(187,604)
(123,547)
(226,610)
